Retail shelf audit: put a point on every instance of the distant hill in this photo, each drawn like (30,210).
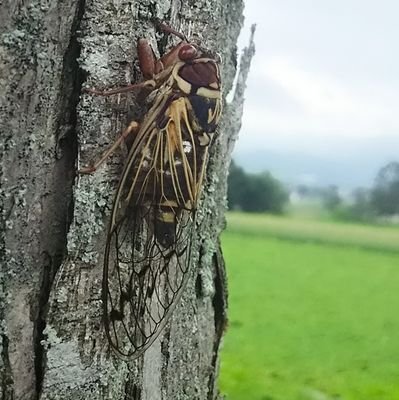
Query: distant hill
(357,168)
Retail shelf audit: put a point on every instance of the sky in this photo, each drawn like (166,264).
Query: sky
(325,78)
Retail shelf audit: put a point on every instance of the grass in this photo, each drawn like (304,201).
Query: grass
(327,232)
(310,318)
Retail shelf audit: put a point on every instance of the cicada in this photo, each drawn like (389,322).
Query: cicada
(152,222)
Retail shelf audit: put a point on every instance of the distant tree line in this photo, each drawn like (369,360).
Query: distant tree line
(255,192)
(382,200)
(384,197)
(262,192)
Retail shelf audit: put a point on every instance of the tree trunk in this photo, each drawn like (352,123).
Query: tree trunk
(53,222)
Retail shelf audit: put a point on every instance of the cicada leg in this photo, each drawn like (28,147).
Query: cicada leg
(131,129)
(170,30)
(153,68)
(149,65)
(124,89)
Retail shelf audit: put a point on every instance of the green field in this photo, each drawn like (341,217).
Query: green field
(313,310)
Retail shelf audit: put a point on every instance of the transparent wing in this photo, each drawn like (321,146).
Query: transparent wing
(143,280)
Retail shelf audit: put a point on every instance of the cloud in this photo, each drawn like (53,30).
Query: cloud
(318,95)
(293,100)
(323,82)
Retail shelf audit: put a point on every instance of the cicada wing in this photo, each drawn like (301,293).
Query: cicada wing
(143,280)
(147,255)
(148,250)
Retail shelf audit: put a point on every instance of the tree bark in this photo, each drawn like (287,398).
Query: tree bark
(53,222)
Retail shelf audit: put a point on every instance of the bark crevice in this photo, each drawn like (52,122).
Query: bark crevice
(60,202)
(6,375)
(219,303)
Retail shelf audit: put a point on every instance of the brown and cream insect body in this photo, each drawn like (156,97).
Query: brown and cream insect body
(147,255)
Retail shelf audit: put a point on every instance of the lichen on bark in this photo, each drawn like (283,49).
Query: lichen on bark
(52,222)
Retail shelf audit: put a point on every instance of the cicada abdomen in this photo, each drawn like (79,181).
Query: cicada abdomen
(148,249)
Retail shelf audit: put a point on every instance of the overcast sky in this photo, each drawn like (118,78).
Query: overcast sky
(326,72)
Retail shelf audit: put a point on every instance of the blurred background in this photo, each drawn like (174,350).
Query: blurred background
(312,239)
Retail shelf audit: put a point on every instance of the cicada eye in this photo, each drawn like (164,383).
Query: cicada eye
(187,52)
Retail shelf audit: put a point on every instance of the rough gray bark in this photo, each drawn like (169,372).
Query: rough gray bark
(52,222)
